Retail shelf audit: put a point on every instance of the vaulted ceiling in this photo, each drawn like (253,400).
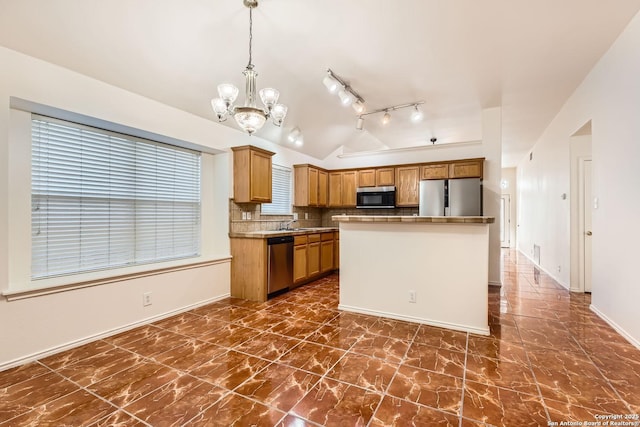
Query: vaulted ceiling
(459,56)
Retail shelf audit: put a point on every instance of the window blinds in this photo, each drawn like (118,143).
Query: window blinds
(102,200)
(281,191)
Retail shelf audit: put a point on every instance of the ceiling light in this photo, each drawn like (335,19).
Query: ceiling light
(386,118)
(294,135)
(417,115)
(358,106)
(345,97)
(359,123)
(249,117)
(331,83)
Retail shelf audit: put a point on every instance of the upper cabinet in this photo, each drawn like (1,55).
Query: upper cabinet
(311,186)
(438,171)
(251,174)
(466,169)
(376,177)
(342,189)
(407,186)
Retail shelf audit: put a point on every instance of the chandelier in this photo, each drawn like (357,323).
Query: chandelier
(249,117)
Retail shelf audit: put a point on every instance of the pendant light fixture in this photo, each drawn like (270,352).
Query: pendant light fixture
(249,117)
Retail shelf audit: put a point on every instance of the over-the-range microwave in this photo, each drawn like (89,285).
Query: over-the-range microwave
(376,197)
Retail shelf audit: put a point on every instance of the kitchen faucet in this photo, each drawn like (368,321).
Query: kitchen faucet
(285,225)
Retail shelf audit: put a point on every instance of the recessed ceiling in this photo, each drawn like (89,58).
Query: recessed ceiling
(459,56)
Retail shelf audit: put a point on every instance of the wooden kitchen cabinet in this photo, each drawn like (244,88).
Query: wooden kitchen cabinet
(313,255)
(310,186)
(336,250)
(407,185)
(299,259)
(342,189)
(251,174)
(326,252)
(439,171)
(466,169)
(385,177)
(367,178)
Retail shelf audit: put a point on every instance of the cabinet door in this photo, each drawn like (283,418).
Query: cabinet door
(260,177)
(323,189)
(299,263)
(313,187)
(367,178)
(471,169)
(435,171)
(335,189)
(313,259)
(336,250)
(407,186)
(385,177)
(349,189)
(326,256)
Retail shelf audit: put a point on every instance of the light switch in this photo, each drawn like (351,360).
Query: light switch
(596,203)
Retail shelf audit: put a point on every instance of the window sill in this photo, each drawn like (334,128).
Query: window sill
(19,294)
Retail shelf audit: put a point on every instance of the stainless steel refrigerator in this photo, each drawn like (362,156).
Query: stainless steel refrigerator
(451,197)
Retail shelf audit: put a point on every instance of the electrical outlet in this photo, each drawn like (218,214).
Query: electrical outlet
(559,269)
(412,296)
(146,299)
(295,216)
(244,215)
(306,215)
(248,215)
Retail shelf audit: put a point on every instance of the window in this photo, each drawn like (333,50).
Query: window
(281,192)
(102,200)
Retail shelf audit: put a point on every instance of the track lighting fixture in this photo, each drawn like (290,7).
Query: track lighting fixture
(347,95)
(416,116)
(386,118)
(295,136)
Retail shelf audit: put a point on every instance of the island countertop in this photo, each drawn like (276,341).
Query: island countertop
(415,219)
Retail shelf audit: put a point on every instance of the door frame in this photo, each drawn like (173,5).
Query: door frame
(505,221)
(582,205)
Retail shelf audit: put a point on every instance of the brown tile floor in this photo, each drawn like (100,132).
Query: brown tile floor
(296,360)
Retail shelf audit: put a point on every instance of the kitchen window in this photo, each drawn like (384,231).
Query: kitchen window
(280,193)
(102,200)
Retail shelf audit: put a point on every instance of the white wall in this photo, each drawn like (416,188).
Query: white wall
(33,327)
(609,97)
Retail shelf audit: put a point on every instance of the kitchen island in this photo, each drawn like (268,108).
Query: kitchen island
(431,270)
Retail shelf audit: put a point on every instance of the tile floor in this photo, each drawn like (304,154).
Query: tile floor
(296,360)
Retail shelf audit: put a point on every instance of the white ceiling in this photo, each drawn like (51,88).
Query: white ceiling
(459,56)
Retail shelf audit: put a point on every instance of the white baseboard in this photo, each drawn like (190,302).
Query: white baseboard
(77,343)
(454,326)
(564,285)
(615,326)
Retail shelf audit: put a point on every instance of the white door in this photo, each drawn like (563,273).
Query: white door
(586,210)
(505,220)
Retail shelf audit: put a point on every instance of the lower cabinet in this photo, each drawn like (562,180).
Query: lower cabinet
(299,259)
(326,253)
(313,259)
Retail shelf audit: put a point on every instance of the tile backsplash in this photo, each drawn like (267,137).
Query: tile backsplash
(307,217)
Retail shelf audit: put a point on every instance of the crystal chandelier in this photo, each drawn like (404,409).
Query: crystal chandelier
(249,117)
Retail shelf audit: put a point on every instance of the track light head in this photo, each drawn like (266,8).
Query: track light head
(360,123)
(331,83)
(417,115)
(386,118)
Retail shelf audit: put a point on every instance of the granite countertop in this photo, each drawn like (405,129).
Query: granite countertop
(415,219)
(280,233)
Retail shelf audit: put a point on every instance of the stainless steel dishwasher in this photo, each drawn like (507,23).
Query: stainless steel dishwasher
(280,258)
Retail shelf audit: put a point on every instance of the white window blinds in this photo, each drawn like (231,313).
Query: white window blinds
(102,200)
(281,192)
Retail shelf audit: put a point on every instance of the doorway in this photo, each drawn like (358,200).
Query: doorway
(584,217)
(505,220)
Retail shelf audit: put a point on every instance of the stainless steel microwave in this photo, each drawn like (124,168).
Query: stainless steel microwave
(376,197)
